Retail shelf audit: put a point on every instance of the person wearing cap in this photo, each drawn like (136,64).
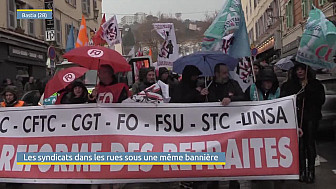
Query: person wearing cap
(186,91)
(224,89)
(78,94)
(11,98)
(310,96)
(266,87)
(146,80)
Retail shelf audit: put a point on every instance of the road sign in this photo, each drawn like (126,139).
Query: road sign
(254,52)
(51,53)
(50,35)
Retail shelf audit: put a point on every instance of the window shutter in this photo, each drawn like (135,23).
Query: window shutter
(30,24)
(303,7)
(31,27)
(291,13)
(287,16)
(58,31)
(84,6)
(88,7)
(11,14)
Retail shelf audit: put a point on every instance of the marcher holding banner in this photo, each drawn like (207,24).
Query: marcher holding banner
(310,92)
(78,94)
(187,91)
(266,87)
(145,82)
(223,89)
(108,90)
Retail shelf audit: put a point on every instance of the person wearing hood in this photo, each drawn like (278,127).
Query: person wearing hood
(266,87)
(78,94)
(146,79)
(166,77)
(224,89)
(186,91)
(10,97)
(309,100)
(163,75)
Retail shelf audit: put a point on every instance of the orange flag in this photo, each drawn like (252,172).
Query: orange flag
(82,39)
(150,52)
(97,40)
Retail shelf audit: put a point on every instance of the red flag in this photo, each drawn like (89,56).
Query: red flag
(97,40)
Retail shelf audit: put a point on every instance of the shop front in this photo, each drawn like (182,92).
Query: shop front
(21,55)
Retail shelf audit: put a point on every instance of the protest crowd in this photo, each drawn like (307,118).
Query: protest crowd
(186,81)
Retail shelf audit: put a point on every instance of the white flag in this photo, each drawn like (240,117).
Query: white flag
(168,51)
(111,33)
(243,73)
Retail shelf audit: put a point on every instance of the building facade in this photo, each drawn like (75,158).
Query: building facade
(295,14)
(263,23)
(127,20)
(138,17)
(23,42)
(275,27)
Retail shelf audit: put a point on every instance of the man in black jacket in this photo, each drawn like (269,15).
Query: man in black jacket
(224,89)
(187,91)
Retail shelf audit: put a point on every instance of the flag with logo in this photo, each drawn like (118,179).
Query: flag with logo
(111,33)
(82,39)
(97,38)
(70,40)
(168,51)
(317,46)
(228,32)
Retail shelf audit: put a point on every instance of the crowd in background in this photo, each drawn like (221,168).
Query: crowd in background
(29,91)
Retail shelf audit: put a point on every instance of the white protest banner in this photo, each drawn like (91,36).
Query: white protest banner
(259,140)
(168,51)
(111,33)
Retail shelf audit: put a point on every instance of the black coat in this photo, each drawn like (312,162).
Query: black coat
(184,93)
(313,94)
(218,91)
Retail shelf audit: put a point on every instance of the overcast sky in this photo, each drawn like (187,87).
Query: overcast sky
(190,9)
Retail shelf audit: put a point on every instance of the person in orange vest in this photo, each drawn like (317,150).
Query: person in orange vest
(11,98)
